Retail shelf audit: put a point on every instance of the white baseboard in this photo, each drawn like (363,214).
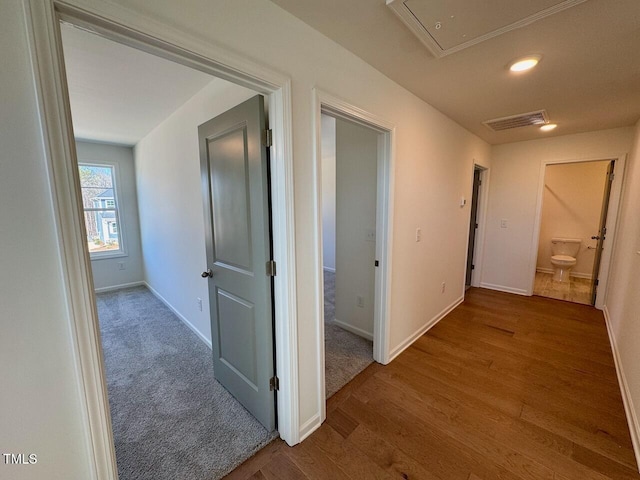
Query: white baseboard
(627,400)
(422,330)
(118,287)
(354,330)
(329,269)
(588,276)
(310,426)
(179,315)
(502,288)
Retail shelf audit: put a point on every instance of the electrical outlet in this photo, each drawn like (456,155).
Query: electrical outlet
(199,302)
(418,234)
(444,286)
(360,301)
(121,266)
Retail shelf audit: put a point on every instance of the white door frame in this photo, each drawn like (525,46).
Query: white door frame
(612,220)
(324,102)
(483,202)
(45,45)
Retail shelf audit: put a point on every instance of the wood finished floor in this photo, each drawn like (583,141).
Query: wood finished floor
(504,387)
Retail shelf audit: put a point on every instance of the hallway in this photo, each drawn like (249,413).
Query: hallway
(504,386)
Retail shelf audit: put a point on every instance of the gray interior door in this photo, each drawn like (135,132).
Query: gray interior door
(235,183)
(602,232)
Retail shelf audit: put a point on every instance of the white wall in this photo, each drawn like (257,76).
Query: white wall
(356,195)
(328,131)
(622,300)
(434,158)
(106,272)
(513,192)
(571,208)
(40,408)
(170,203)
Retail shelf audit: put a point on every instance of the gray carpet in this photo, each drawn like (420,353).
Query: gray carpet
(171,418)
(346,354)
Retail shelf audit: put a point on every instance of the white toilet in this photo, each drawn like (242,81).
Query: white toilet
(563,256)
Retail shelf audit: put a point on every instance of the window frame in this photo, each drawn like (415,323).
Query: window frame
(117,209)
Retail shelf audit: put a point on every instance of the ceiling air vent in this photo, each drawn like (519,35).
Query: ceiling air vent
(516,121)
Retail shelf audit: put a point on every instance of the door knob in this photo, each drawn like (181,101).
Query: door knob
(207,273)
(595,237)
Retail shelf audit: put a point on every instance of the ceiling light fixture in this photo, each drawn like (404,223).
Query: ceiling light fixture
(525,63)
(548,127)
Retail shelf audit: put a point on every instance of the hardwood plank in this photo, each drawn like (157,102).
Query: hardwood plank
(621,452)
(314,463)
(543,396)
(339,397)
(433,449)
(281,468)
(253,465)
(347,456)
(341,423)
(500,398)
(504,387)
(516,449)
(388,457)
(603,464)
(389,399)
(479,415)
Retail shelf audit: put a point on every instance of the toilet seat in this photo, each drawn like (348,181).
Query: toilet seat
(564,260)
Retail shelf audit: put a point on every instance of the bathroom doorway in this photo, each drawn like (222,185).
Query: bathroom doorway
(573,228)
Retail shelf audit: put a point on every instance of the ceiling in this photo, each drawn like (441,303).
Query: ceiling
(588,78)
(119,94)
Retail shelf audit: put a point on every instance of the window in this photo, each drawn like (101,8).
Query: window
(101,215)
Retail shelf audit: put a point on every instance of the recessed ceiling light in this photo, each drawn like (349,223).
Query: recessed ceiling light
(548,127)
(525,63)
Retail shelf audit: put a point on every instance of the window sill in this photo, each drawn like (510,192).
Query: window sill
(106,256)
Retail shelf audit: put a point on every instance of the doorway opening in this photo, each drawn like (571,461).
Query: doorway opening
(354,165)
(349,189)
(474,225)
(136,120)
(573,230)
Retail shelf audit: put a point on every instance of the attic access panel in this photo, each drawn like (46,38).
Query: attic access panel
(448,26)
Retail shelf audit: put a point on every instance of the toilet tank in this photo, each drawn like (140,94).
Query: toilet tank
(565,246)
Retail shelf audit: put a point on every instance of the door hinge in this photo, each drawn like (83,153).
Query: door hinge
(274,383)
(267,137)
(612,176)
(271,268)
(597,282)
(479,182)
(477,225)
(377,263)
(473,267)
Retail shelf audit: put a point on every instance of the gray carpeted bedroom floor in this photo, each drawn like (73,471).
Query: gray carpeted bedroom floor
(171,419)
(346,354)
